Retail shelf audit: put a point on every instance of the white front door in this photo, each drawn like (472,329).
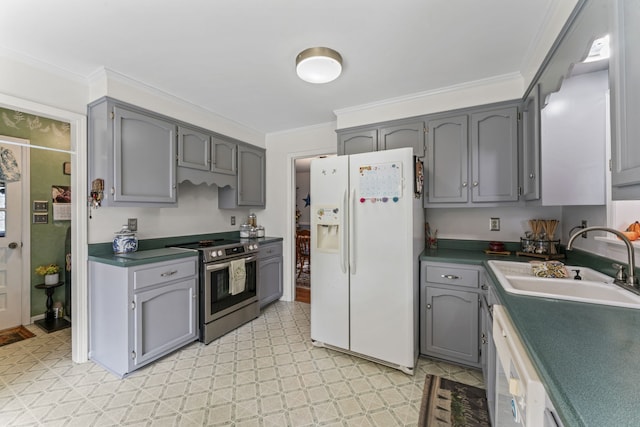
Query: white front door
(11,247)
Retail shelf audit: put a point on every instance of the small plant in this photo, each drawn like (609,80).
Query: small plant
(44,270)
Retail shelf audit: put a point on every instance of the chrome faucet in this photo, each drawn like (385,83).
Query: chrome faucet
(632,280)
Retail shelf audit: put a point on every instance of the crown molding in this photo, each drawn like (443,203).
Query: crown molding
(426,94)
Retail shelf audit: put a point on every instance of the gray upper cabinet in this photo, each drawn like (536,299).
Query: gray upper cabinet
(625,68)
(401,136)
(223,156)
(530,143)
(250,184)
(364,141)
(134,152)
(472,157)
(447,160)
(494,155)
(383,136)
(202,151)
(194,149)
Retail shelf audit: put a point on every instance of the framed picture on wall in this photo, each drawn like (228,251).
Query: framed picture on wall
(40,206)
(66,168)
(40,218)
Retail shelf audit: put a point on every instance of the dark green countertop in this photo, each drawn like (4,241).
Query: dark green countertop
(143,257)
(156,250)
(587,355)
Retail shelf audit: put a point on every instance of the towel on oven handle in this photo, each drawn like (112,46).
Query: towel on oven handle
(237,276)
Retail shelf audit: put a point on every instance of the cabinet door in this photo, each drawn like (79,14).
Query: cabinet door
(223,156)
(530,177)
(251,177)
(164,319)
(145,158)
(625,68)
(447,311)
(409,135)
(494,155)
(269,280)
(447,160)
(193,149)
(365,141)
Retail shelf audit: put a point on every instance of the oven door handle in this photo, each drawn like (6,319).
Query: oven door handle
(224,265)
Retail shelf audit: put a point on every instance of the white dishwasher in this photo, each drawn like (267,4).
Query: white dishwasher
(520,396)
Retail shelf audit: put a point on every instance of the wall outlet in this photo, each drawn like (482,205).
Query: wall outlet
(132,223)
(494,224)
(583,224)
(233,220)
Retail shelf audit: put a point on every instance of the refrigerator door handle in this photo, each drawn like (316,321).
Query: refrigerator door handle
(352,233)
(344,241)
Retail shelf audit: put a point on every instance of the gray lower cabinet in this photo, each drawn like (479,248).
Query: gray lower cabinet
(139,314)
(269,273)
(487,346)
(134,152)
(449,313)
(387,136)
(625,68)
(251,177)
(472,157)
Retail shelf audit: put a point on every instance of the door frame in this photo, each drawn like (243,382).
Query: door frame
(25,235)
(79,220)
(289,247)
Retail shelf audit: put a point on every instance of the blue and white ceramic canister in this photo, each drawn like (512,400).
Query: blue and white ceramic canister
(125,241)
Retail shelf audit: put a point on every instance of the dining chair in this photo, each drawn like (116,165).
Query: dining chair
(303,250)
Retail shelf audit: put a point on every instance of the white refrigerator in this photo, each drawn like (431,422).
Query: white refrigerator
(367,233)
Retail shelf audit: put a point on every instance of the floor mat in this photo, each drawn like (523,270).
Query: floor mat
(450,403)
(11,335)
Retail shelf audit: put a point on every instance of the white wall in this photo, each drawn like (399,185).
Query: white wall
(473,223)
(197,213)
(278,217)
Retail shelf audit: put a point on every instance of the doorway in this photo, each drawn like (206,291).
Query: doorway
(303,229)
(78,152)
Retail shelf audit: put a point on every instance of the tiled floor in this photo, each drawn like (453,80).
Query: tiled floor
(266,373)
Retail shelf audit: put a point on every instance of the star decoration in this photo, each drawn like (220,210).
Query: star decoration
(307,200)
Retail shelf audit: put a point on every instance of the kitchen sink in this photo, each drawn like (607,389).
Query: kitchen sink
(595,287)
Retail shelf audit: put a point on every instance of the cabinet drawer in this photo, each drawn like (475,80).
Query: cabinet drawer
(269,250)
(453,276)
(164,272)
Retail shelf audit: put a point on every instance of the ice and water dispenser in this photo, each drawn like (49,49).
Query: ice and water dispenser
(328,229)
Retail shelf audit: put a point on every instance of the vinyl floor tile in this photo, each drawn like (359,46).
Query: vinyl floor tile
(266,373)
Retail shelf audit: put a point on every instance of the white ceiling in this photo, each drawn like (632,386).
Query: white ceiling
(236,58)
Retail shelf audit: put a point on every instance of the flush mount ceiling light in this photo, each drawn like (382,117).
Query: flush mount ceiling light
(318,65)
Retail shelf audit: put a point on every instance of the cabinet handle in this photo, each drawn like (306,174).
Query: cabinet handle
(450,276)
(464,184)
(428,306)
(133,355)
(169,273)
(484,341)
(133,305)
(475,183)
(531,176)
(484,287)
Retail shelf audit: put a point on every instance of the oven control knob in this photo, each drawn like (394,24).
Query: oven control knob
(220,253)
(213,254)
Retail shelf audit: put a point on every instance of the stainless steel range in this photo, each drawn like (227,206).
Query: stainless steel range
(226,300)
